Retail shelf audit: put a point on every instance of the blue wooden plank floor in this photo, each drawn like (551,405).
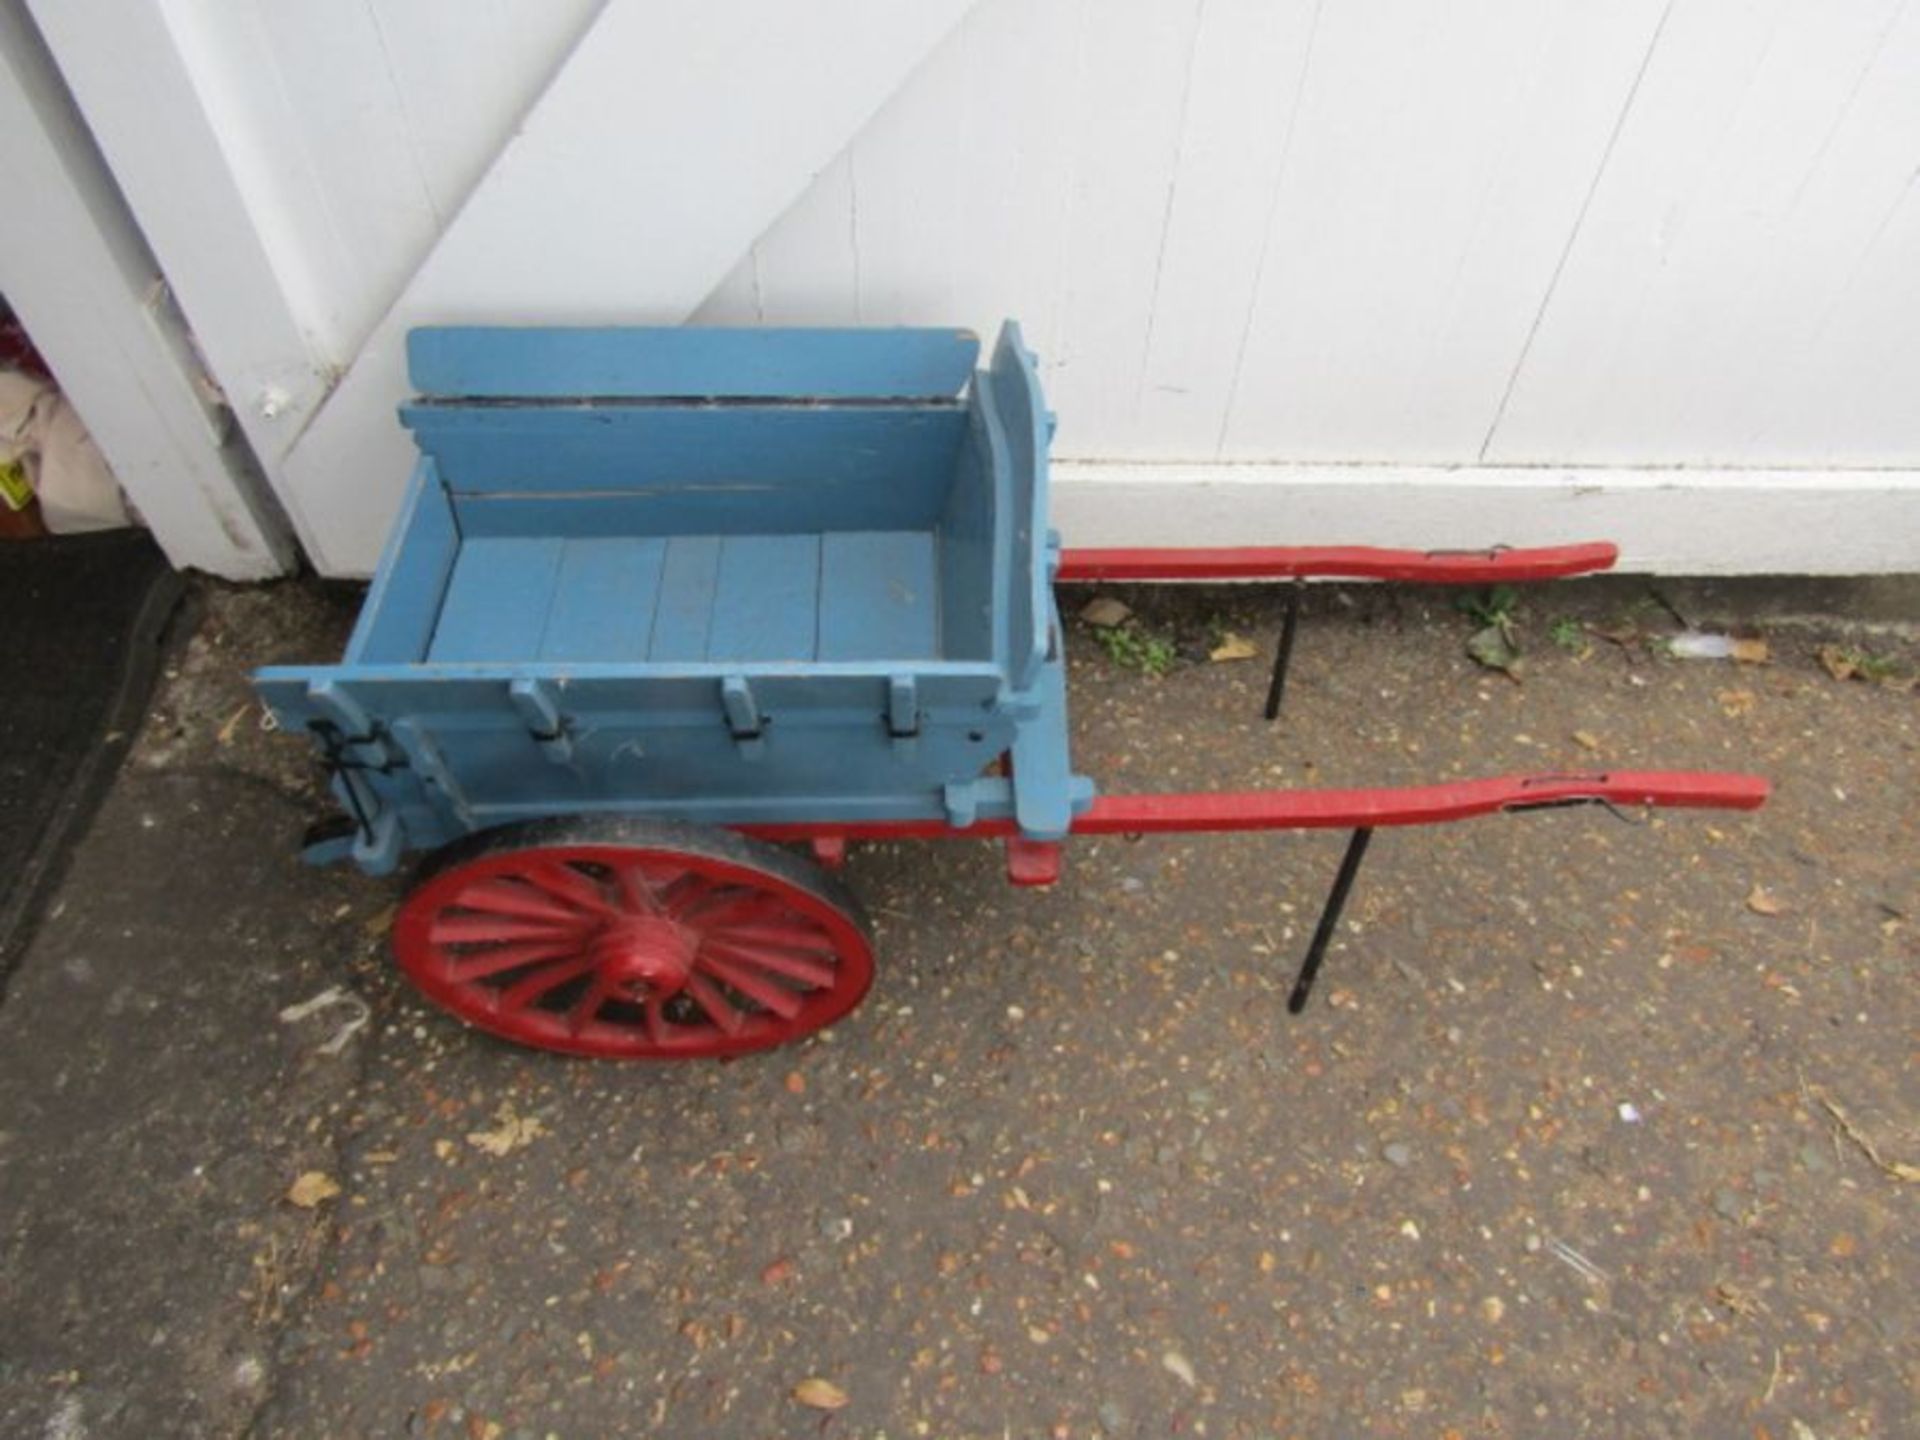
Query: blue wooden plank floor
(838,596)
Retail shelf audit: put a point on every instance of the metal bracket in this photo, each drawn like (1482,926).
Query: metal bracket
(903,709)
(545,723)
(744,720)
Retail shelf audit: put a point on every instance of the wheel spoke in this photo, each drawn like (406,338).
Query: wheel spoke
(809,971)
(656,1019)
(486,929)
(556,877)
(783,1003)
(680,892)
(479,964)
(725,907)
(635,893)
(801,936)
(504,897)
(719,1009)
(598,993)
(522,993)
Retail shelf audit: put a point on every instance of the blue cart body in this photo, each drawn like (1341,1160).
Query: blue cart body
(723,576)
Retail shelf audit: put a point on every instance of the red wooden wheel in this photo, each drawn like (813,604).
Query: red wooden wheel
(632,939)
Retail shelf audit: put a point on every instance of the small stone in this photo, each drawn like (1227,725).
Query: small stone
(1399,1154)
(1113,1416)
(1104,612)
(1493,1307)
(1178,1366)
(1726,1204)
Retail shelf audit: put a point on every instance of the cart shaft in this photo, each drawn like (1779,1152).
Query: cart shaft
(1178,812)
(1338,562)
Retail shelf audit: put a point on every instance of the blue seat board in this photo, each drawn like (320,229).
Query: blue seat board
(604,599)
(497,601)
(534,362)
(766,598)
(687,587)
(879,596)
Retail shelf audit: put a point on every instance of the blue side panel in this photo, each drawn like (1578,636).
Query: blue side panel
(967,549)
(474,361)
(496,605)
(766,598)
(687,587)
(1017,402)
(397,620)
(1043,780)
(879,597)
(604,597)
(846,467)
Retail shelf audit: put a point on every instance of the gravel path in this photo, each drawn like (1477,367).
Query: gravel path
(1593,1128)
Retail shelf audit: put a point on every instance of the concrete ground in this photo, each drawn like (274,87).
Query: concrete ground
(1593,1128)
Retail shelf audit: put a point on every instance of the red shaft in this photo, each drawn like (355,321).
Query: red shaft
(1346,562)
(1330,809)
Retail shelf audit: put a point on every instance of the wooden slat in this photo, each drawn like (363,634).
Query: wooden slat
(497,600)
(685,613)
(767,598)
(878,596)
(542,363)
(604,599)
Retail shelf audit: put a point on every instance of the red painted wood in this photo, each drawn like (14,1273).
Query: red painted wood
(1344,562)
(1332,809)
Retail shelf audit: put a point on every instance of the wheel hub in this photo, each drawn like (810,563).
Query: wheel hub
(644,951)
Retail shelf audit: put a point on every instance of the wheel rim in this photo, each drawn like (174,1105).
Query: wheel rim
(629,951)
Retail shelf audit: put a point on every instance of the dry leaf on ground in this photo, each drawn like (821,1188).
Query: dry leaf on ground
(820,1394)
(313,1188)
(513,1132)
(1232,647)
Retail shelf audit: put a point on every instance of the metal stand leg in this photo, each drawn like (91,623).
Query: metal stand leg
(1277,689)
(1329,919)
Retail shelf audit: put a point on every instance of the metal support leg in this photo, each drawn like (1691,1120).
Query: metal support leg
(1277,689)
(1329,919)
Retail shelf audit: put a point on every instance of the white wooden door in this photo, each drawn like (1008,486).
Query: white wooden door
(1371,270)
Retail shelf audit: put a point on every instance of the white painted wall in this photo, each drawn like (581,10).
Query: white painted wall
(1310,268)
(76,271)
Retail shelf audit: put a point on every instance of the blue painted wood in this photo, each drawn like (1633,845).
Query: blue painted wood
(604,597)
(688,584)
(563,362)
(966,537)
(404,600)
(496,602)
(1042,768)
(766,599)
(858,590)
(883,467)
(879,596)
(1013,389)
